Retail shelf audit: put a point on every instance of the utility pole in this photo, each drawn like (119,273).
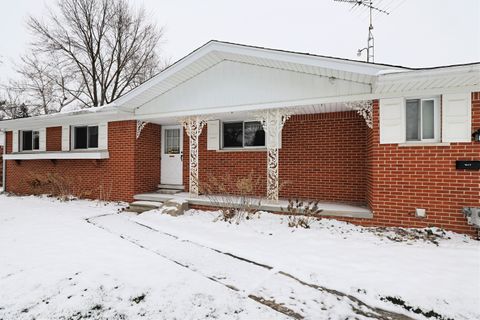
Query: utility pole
(370,48)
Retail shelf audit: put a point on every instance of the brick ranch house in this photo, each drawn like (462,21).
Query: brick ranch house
(376,144)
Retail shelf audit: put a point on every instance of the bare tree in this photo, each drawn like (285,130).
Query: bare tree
(105,45)
(12,105)
(43,85)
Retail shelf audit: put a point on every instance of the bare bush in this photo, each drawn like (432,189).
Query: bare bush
(302,213)
(234,198)
(56,185)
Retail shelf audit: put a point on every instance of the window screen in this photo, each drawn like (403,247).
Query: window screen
(93,137)
(81,137)
(27,141)
(36,140)
(30,140)
(85,137)
(428,119)
(233,134)
(254,136)
(413,120)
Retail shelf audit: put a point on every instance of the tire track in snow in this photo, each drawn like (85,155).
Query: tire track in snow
(264,295)
(279,309)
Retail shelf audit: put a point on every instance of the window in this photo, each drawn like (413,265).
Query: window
(172,141)
(423,120)
(30,140)
(85,137)
(243,134)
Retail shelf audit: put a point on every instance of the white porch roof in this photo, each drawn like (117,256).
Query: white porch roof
(234,60)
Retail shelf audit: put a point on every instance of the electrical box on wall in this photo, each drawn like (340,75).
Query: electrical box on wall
(467,165)
(420,213)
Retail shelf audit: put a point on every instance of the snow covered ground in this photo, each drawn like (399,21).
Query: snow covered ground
(83,259)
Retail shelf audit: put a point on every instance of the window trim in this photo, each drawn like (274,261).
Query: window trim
(20,143)
(72,137)
(437,137)
(243,147)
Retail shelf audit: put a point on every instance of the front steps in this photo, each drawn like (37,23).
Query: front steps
(142,206)
(170,188)
(165,202)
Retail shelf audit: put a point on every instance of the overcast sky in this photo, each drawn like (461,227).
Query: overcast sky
(417,33)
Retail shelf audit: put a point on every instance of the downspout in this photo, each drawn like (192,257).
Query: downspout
(4,162)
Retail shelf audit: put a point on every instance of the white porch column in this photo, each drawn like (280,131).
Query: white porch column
(193,127)
(273,121)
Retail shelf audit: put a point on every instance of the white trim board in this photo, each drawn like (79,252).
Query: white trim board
(57,155)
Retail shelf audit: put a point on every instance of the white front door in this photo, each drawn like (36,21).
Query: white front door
(172,155)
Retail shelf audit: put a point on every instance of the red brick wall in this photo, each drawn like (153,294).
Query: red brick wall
(116,178)
(147,159)
(234,165)
(54,139)
(322,157)
(401,179)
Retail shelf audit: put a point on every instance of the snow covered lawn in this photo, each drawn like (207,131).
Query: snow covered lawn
(83,259)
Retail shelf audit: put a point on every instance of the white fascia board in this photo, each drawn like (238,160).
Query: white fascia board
(60,119)
(454,71)
(301,58)
(101,154)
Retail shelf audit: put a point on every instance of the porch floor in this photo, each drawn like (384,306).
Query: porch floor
(329,208)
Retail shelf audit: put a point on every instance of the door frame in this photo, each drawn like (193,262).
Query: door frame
(163,155)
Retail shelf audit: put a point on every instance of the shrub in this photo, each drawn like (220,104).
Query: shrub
(302,213)
(236,201)
(55,184)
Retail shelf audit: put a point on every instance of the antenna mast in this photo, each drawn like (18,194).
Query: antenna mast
(370,48)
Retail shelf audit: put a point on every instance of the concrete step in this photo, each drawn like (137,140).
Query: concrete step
(169,191)
(155,197)
(172,187)
(142,206)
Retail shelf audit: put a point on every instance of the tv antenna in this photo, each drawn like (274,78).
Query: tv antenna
(370,48)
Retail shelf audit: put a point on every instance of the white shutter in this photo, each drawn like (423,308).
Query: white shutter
(213,135)
(43,139)
(456,117)
(392,120)
(103,136)
(15,141)
(65,138)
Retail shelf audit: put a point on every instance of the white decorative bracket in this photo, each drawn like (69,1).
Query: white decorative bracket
(272,122)
(363,108)
(140,126)
(193,127)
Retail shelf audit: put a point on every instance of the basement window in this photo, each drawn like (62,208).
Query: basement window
(243,134)
(30,140)
(85,137)
(423,120)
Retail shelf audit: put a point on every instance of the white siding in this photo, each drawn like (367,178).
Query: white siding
(392,120)
(456,117)
(230,84)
